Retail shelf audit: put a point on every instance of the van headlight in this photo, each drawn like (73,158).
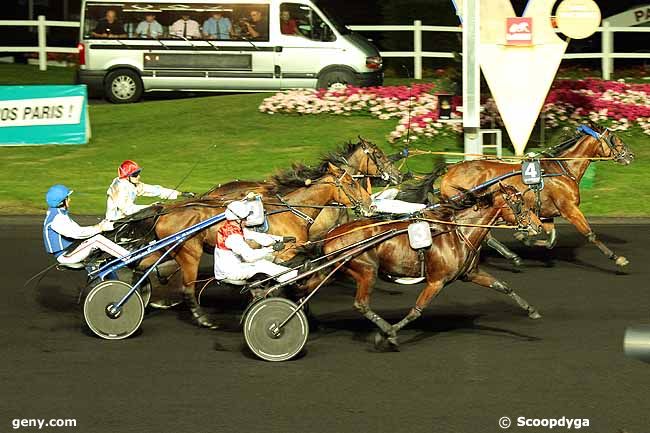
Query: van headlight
(373,62)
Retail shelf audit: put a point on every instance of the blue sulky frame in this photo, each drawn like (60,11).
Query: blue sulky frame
(172,240)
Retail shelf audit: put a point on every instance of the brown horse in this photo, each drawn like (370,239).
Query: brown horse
(453,254)
(302,187)
(561,193)
(362,159)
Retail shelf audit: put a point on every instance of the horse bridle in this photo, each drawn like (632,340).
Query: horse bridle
(619,153)
(523,218)
(382,167)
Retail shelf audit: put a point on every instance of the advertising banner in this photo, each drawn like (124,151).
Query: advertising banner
(33,115)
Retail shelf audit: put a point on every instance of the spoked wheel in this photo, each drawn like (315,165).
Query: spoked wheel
(263,335)
(97,310)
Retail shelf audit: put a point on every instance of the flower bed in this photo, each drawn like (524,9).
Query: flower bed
(616,104)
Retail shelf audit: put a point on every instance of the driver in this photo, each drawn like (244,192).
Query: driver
(234,259)
(385,202)
(60,231)
(127,187)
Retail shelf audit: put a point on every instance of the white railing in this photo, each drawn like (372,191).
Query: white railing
(606,55)
(42,49)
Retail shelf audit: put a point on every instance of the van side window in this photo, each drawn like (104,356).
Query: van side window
(302,21)
(166,20)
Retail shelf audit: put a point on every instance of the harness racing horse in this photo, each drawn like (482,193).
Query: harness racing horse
(561,193)
(299,188)
(361,159)
(453,254)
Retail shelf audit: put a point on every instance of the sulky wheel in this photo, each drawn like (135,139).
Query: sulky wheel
(129,276)
(263,336)
(113,326)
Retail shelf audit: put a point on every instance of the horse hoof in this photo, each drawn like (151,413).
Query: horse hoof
(393,344)
(204,321)
(534,314)
(379,340)
(517,262)
(622,261)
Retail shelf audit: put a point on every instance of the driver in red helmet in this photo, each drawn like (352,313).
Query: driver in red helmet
(127,187)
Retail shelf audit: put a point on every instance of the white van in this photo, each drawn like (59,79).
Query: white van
(130,47)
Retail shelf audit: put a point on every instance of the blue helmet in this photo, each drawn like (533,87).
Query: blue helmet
(56,194)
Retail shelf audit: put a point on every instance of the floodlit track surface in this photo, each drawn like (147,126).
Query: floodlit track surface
(471,359)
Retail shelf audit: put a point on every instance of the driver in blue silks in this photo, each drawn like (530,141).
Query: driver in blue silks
(60,231)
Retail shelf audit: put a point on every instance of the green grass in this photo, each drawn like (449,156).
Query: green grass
(229,139)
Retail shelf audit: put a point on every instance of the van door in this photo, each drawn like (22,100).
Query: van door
(308,44)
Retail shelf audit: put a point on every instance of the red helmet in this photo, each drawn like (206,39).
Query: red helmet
(128,168)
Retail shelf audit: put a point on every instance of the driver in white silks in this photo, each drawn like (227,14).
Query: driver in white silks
(234,259)
(384,202)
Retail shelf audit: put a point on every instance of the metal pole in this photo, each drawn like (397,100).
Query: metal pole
(471,77)
(30,10)
(66,6)
(417,49)
(607,48)
(42,43)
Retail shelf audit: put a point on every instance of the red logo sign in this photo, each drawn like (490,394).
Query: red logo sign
(519,31)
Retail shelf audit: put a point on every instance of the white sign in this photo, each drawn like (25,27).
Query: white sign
(578,19)
(64,110)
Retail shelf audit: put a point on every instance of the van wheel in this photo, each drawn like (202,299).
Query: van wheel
(123,86)
(336,76)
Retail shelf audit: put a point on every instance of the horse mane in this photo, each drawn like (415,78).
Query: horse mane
(571,140)
(564,145)
(418,192)
(339,155)
(288,180)
(466,199)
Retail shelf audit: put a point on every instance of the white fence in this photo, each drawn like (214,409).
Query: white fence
(42,49)
(606,55)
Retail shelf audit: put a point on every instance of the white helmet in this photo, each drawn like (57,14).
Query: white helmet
(237,210)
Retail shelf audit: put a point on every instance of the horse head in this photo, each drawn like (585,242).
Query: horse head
(527,220)
(376,163)
(348,191)
(616,148)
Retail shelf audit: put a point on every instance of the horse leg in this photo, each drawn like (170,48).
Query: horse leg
(551,236)
(503,250)
(188,257)
(482,278)
(365,277)
(577,218)
(424,299)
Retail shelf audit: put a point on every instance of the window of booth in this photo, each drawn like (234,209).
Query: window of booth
(302,21)
(177,21)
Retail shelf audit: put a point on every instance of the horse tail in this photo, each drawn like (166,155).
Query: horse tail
(419,192)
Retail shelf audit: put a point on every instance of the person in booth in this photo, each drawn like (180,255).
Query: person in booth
(149,28)
(60,231)
(185,28)
(217,27)
(235,260)
(109,27)
(126,187)
(257,28)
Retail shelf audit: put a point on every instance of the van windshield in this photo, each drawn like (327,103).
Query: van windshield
(342,29)
(184,21)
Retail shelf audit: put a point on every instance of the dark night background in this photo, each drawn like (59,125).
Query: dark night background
(431,12)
